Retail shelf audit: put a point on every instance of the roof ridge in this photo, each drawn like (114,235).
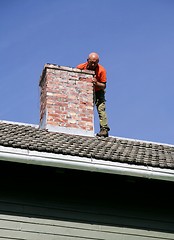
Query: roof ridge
(142,141)
(20,123)
(107,139)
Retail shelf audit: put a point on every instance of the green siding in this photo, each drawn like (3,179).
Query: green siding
(17,227)
(40,203)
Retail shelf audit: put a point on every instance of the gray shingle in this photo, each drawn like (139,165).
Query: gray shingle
(108,149)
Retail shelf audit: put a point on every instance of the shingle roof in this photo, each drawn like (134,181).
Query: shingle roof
(108,149)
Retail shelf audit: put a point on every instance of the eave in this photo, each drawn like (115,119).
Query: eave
(84,164)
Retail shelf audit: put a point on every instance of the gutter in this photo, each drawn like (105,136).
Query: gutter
(85,164)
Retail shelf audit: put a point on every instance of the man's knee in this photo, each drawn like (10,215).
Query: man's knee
(101,107)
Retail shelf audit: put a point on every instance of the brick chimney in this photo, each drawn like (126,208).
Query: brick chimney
(66,100)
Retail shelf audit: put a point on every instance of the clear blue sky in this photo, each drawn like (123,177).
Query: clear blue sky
(135,41)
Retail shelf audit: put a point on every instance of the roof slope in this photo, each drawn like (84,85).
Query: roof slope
(108,149)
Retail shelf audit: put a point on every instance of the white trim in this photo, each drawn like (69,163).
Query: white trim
(83,163)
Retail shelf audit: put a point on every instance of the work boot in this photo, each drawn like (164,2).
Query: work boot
(103,132)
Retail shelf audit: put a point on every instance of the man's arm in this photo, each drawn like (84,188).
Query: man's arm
(101,85)
(102,80)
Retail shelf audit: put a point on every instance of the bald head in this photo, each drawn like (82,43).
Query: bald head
(93,56)
(93,60)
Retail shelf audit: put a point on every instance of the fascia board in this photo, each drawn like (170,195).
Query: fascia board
(82,163)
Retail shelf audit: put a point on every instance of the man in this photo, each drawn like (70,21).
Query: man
(99,82)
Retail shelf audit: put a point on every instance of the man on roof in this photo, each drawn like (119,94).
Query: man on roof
(99,82)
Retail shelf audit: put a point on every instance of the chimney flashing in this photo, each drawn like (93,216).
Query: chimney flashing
(67,130)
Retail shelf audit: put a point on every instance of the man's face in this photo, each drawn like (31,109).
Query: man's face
(92,63)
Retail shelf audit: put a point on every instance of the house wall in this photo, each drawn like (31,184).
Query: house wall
(48,203)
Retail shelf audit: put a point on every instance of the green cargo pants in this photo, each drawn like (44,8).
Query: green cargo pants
(99,98)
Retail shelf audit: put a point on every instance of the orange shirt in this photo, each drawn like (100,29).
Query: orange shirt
(100,73)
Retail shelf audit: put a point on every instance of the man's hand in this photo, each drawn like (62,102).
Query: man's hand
(98,84)
(94,80)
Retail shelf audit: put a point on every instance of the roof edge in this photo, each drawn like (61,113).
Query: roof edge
(84,164)
(20,123)
(143,141)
